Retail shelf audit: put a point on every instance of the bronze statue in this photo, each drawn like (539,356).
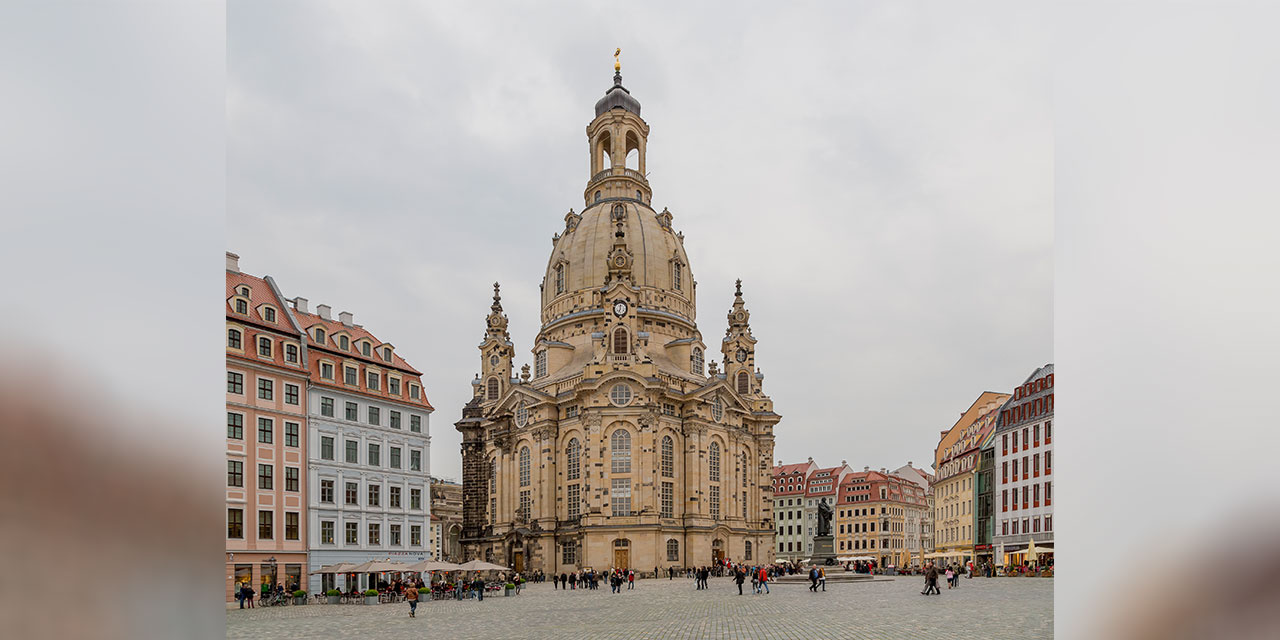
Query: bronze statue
(824,519)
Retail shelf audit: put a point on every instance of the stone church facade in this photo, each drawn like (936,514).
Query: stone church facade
(626,445)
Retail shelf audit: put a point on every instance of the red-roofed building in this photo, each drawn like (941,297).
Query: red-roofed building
(880,516)
(789,486)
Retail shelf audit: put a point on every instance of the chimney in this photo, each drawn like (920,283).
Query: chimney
(908,463)
(810,459)
(323,310)
(300,304)
(233,262)
(883,471)
(866,469)
(345,317)
(844,463)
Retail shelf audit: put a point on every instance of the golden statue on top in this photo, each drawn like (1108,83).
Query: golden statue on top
(617,66)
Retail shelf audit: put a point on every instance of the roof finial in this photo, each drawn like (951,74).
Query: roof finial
(497,299)
(738,284)
(617,66)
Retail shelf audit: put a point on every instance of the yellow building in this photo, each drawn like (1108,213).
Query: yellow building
(879,516)
(956,464)
(625,446)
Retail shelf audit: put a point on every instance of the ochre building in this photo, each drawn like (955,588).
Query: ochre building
(626,445)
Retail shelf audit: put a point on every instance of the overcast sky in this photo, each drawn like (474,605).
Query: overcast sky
(879,175)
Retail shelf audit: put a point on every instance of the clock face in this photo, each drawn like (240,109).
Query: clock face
(742,355)
(620,308)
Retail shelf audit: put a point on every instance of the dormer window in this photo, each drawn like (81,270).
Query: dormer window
(413,391)
(373,380)
(243,290)
(366,349)
(233,338)
(242,307)
(344,343)
(268,314)
(320,336)
(386,354)
(264,346)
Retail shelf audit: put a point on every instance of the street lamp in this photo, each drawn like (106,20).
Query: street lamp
(271,562)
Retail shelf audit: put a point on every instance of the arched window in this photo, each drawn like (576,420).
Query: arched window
(675,275)
(668,457)
(673,550)
(540,364)
(560,278)
(242,307)
(696,365)
(717,409)
(233,338)
(492,389)
(320,336)
(744,386)
(522,414)
(597,196)
(746,551)
(573,462)
(713,461)
(620,341)
(524,466)
(620,451)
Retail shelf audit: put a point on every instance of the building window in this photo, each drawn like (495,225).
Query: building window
(395,535)
(675,275)
(1048,428)
(375,495)
(524,466)
(569,552)
(353,452)
(395,419)
(373,379)
(1004,471)
(696,365)
(1004,500)
(413,391)
(375,455)
(326,407)
(620,452)
(493,476)
(620,341)
(540,364)
(668,457)
(266,476)
(320,337)
(492,389)
(291,480)
(1048,493)
(668,500)
(290,525)
(326,371)
(366,348)
(395,457)
(415,499)
(352,411)
(235,383)
(393,386)
(522,415)
(1035,495)
(326,448)
(264,525)
(235,426)
(344,343)
(715,502)
(560,278)
(744,505)
(353,532)
(717,409)
(668,409)
(415,423)
(290,394)
(242,307)
(574,500)
(415,535)
(326,491)
(349,374)
(233,338)
(1004,445)
(291,353)
(326,532)
(264,346)
(744,386)
(375,416)
(415,460)
(620,394)
(1015,441)
(1026,468)
(573,459)
(1048,462)
(265,428)
(746,551)
(265,391)
(1035,466)
(393,496)
(375,534)
(525,503)
(235,473)
(620,496)
(673,550)
(713,462)
(291,437)
(235,523)
(571,412)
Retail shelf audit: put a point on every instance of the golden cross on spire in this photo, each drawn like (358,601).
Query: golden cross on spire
(617,66)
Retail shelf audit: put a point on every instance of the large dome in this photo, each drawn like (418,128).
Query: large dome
(582,252)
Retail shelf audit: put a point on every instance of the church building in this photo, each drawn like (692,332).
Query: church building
(626,445)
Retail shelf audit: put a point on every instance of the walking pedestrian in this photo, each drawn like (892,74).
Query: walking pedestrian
(631,580)
(822,578)
(411,594)
(740,577)
(813,578)
(764,580)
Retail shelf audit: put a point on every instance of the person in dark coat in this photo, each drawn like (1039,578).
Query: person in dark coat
(931,580)
(739,577)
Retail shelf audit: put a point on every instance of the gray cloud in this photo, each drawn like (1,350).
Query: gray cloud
(879,176)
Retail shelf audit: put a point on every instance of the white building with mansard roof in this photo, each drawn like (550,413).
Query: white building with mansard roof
(624,445)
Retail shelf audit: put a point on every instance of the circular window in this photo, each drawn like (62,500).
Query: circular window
(717,409)
(522,415)
(620,395)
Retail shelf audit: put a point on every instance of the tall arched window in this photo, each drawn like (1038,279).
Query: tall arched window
(746,551)
(620,341)
(744,386)
(560,278)
(696,364)
(573,462)
(492,389)
(524,466)
(675,275)
(713,461)
(540,364)
(673,550)
(233,338)
(668,457)
(620,451)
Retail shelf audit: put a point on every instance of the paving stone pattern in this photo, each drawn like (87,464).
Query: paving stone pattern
(995,608)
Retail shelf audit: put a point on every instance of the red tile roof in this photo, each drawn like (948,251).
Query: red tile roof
(259,293)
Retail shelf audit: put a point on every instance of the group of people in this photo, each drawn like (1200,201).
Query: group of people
(759,578)
(952,573)
(245,594)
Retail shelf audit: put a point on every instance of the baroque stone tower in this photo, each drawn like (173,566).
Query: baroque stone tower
(620,448)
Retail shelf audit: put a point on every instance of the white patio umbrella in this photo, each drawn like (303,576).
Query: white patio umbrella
(480,565)
(433,565)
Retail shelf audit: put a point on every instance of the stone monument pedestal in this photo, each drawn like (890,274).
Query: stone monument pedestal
(823,550)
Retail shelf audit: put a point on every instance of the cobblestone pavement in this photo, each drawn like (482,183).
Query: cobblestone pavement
(995,609)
